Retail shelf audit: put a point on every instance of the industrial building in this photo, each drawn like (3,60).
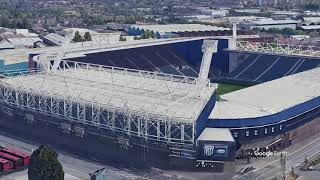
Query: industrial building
(310,28)
(311,21)
(267,23)
(5,45)
(53,39)
(18,38)
(278,3)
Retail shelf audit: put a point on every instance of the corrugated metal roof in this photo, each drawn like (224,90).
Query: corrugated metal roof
(55,38)
(24,41)
(6,45)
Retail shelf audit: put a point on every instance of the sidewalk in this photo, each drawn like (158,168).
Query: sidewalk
(23,175)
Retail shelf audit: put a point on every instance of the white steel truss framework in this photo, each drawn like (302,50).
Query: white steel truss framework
(123,118)
(297,50)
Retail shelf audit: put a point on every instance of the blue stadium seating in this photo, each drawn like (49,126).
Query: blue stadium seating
(169,70)
(307,65)
(185,59)
(248,62)
(259,68)
(279,69)
(152,58)
(189,72)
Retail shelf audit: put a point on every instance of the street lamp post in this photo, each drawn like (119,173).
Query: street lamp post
(283,165)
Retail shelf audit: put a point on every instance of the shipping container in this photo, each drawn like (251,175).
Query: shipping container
(24,156)
(5,165)
(17,162)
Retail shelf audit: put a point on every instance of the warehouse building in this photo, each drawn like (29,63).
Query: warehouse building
(268,23)
(53,39)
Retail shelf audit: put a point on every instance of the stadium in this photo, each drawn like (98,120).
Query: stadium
(189,102)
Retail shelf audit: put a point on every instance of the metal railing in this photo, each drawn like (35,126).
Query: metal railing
(274,48)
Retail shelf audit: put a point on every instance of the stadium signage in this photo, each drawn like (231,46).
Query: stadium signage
(210,150)
(182,154)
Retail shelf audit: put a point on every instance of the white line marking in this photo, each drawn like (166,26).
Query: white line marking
(278,160)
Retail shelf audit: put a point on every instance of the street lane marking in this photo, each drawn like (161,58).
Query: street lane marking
(277,167)
(278,160)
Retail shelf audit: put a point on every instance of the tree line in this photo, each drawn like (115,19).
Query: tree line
(13,18)
(285,31)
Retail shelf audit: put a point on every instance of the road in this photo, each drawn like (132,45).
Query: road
(73,165)
(80,167)
(273,169)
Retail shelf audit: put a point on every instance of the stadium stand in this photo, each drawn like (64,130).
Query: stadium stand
(162,58)
(189,72)
(269,108)
(259,68)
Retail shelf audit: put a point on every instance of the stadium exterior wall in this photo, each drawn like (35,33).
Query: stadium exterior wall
(96,143)
(229,146)
(203,117)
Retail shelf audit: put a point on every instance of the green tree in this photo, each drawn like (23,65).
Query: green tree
(147,34)
(77,37)
(152,34)
(288,31)
(44,165)
(87,36)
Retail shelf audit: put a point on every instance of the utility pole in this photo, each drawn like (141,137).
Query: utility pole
(283,165)
(306,159)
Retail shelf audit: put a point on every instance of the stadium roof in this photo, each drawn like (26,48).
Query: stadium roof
(270,97)
(159,95)
(80,49)
(215,134)
(179,28)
